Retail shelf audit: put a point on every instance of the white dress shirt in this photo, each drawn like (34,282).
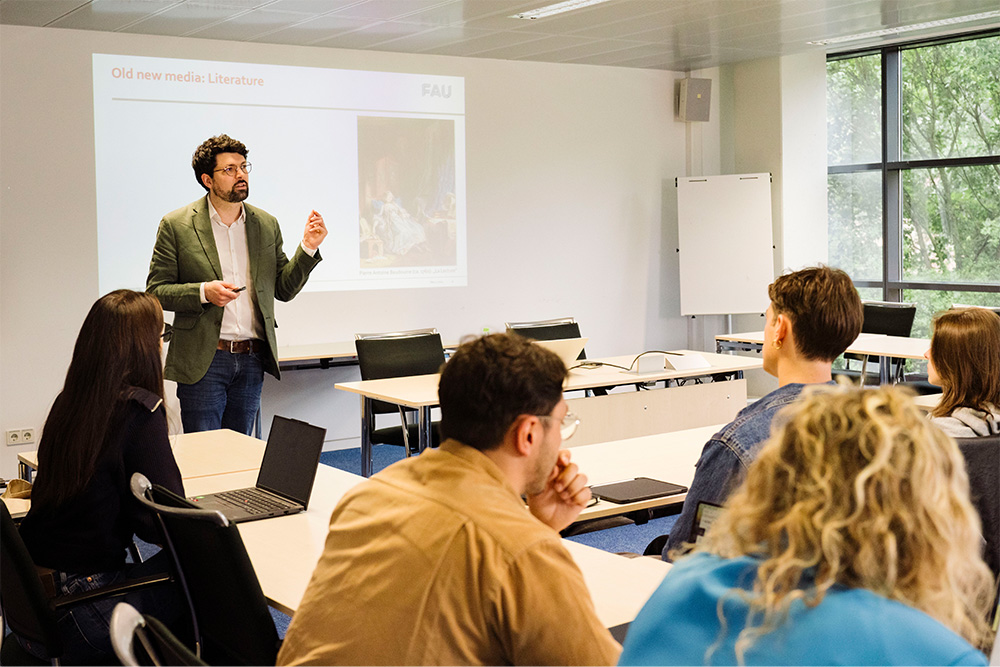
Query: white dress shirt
(239,318)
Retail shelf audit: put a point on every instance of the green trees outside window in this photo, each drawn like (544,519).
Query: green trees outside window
(914,172)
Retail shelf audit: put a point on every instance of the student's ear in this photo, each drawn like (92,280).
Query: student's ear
(782,326)
(523,432)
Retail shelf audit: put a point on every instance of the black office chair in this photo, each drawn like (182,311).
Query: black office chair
(982,461)
(31,613)
(231,621)
(882,317)
(554,329)
(398,354)
(143,640)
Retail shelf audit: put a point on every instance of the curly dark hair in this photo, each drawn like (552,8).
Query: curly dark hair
(492,380)
(203,160)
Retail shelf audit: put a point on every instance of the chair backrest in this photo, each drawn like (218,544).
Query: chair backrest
(398,354)
(555,329)
(889,318)
(982,461)
(26,609)
(156,644)
(232,622)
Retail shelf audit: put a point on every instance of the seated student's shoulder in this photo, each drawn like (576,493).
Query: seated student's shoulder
(142,399)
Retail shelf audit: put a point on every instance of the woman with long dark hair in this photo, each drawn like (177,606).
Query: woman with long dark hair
(107,423)
(964,360)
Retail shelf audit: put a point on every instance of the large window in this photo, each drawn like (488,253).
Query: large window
(914,172)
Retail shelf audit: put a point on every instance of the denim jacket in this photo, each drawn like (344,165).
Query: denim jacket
(725,459)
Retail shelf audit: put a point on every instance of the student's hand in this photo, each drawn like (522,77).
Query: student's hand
(220,293)
(566,494)
(315,232)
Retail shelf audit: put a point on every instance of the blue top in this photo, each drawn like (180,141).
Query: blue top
(849,627)
(726,457)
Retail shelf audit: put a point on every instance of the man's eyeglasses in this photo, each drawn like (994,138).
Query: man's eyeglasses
(233,169)
(568,425)
(168,333)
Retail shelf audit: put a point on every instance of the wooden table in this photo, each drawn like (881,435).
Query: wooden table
(878,345)
(420,391)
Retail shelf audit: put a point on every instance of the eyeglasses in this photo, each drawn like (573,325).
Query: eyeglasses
(567,426)
(233,169)
(168,332)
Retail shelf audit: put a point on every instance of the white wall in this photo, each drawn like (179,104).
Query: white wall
(570,179)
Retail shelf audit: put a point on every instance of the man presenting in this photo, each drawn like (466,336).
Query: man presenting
(437,561)
(219,264)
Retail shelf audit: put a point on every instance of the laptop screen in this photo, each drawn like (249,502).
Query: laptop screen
(290,458)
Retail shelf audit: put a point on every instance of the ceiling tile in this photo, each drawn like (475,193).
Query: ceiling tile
(427,38)
(460,12)
(538,46)
(183,19)
(487,41)
(585,52)
(249,25)
(111,15)
(313,30)
(386,10)
(311,7)
(35,12)
(625,54)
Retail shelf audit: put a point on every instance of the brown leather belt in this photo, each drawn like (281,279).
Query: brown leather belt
(241,346)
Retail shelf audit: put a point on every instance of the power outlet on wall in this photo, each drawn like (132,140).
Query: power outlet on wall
(21,436)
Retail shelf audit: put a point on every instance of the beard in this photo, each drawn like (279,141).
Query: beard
(236,194)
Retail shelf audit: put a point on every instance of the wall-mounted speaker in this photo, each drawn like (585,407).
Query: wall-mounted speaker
(694,100)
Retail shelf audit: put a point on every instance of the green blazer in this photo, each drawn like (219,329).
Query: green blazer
(185,256)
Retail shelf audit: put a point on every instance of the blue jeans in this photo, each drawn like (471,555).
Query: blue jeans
(227,397)
(85,628)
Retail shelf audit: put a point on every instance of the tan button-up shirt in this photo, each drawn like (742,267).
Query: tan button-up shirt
(436,561)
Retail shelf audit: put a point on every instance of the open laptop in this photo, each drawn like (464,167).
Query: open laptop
(286,476)
(568,349)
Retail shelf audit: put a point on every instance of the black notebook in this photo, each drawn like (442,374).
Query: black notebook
(634,490)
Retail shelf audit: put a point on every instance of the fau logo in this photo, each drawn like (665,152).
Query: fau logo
(435,90)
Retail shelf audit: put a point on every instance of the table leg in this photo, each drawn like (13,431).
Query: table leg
(884,374)
(366,437)
(424,427)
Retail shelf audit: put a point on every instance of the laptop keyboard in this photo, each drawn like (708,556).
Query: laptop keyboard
(251,501)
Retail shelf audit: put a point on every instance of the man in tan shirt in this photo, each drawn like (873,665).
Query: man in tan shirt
(437,561)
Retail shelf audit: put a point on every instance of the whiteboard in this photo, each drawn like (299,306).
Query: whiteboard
(726,251)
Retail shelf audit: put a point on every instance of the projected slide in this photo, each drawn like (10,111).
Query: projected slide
(380,155)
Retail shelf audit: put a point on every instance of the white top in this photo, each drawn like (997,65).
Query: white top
(238,320)
(970,423)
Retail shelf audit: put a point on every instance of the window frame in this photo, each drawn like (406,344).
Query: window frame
(892,167)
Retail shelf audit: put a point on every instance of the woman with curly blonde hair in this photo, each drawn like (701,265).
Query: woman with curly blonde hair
(851,541)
